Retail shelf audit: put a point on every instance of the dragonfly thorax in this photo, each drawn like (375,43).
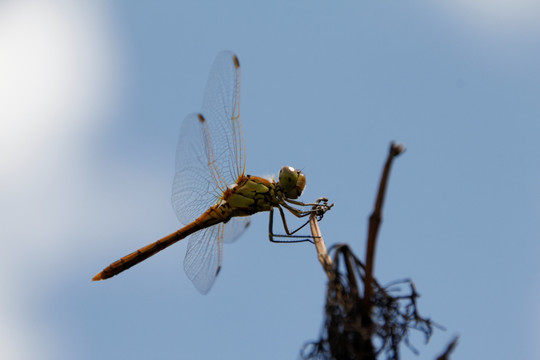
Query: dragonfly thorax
(291,182)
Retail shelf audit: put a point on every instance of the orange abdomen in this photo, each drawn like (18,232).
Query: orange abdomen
(212,216)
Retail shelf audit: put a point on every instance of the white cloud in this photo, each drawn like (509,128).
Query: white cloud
(498,16)
(55,60)
(58,71)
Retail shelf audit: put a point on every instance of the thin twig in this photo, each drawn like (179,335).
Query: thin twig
(446,354)
(374,224)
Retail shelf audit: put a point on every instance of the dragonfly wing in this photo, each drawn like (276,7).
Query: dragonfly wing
(235,227)
(221,109)
(210,157)
(203,257)
(194,186)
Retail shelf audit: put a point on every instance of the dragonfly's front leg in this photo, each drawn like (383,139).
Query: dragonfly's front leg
(320,207)
(316,203)
(296,212)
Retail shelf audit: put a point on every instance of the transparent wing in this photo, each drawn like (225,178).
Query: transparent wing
(221,108)
(210,155)
(194,187)
(235,227)
(203,257)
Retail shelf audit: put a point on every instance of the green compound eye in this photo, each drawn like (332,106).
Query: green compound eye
(292,182)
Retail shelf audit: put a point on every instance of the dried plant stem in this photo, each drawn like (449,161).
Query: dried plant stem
(363,324)
(374,223)
(324,258)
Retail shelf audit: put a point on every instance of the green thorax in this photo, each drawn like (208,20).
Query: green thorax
(250,195)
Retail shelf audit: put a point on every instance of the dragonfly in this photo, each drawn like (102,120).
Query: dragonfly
(211,193)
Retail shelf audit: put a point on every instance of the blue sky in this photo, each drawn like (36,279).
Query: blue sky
(91,103)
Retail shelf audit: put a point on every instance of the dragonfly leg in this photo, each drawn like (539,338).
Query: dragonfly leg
(296,212)
(316,203)
(290,234)
(320,207)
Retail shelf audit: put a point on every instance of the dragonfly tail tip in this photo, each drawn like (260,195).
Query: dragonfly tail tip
(98,277)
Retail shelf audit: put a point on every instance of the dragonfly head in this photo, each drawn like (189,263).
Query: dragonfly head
(292,182)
